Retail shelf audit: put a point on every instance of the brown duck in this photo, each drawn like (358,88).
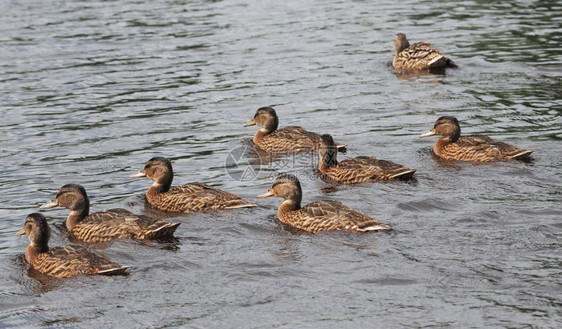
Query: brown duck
(356,170)
(192,197)
(285,140)
(108,225)
(62,262)
(323,215)
(477,148)
(419,56)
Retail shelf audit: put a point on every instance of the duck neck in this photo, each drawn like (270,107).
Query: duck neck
(33,250)
(156,189)
(268,127)
(78,214)
(401,45)
(162,184)
(440,144)
(328,158)
(260,134)
(286,207)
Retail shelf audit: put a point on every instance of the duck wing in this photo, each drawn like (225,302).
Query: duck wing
(121,224)
(369,169)
(70,261)
(290,139)
(197,197)
(421,55)
(329,215)
(483,148)
(293,139)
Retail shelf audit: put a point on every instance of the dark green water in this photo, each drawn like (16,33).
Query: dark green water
(91,90)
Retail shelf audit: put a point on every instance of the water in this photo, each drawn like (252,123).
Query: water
(91,90)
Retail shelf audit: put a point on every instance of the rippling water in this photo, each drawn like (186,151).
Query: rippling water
(91,90)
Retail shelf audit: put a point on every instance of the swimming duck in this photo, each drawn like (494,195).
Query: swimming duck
(284,140)
(477,148)
(62,262)
(356,170)
(323,215)
(419,56)
(108,225)
(192,197)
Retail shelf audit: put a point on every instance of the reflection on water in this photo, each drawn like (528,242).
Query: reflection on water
(91,90)
(42,284)
(32,280)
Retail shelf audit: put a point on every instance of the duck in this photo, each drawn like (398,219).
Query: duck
(360,169)
(101,227)
(187,198)
(285,140)
(419,56)
(64,261)
(323,215)
(475,148)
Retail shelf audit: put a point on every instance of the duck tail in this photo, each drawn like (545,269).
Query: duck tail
(163,231)
(341,147)
(438,62)
(121,270)
(404,175)
(523,155)
(376,227)
(451,64)
(244,205)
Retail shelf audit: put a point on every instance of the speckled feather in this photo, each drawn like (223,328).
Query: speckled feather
(420,56)
(121,224)
(479,148)
(365,169)
(356,170)
(62,262)
(69,261)
(329,215)
(105,226)
(284,140)
(289,139)
(324,215)
(195,197)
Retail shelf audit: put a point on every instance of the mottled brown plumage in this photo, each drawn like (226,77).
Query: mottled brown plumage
(108,225)
(419,56)
(192,197)
(323,215)
(475,148)
(356,170)
(285,140)
(62,262)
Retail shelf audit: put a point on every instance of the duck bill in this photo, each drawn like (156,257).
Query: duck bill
(138,175)
(22,232)
(49,205)
(266,195)
(429,133)
(253,123)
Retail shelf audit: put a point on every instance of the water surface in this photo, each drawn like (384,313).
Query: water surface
(91,90)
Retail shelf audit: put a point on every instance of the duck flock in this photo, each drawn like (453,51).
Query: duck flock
(323,215)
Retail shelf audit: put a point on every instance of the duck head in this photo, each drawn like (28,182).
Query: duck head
(266,118)
(446,126)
